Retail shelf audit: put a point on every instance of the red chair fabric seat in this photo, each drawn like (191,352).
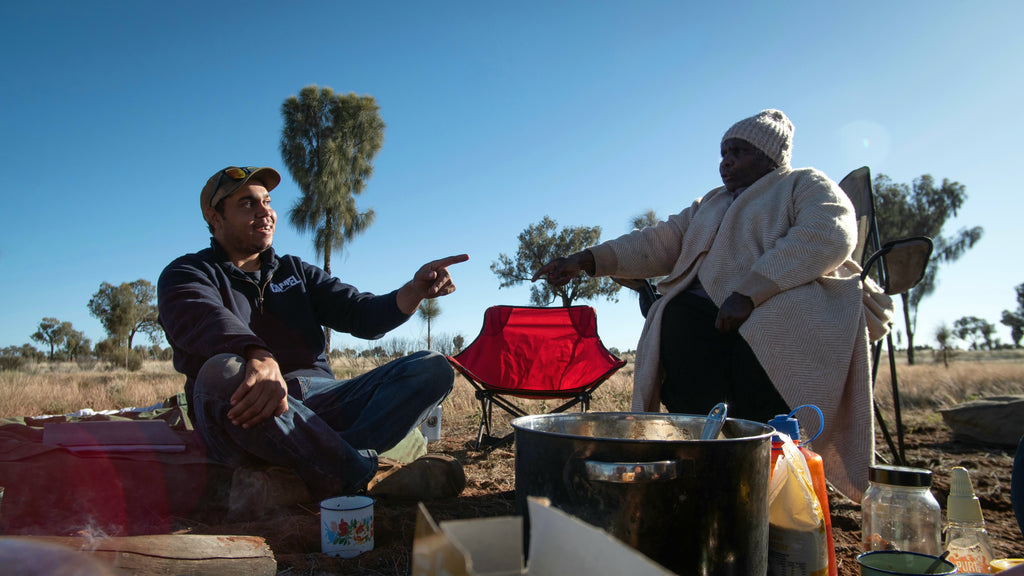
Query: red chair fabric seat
(532,352)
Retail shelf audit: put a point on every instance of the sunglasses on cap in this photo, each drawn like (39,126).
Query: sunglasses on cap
(235,173)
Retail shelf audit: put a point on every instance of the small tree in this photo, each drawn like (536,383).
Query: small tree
(943,335)
(14,357)
(110,350)
(645,220)
(53,333)
(975,331)
(1015,319)
(64,341)
(30,353)
(447,344)
(76,345)
(922,210)
(428,310)
(539,244)
(125,310)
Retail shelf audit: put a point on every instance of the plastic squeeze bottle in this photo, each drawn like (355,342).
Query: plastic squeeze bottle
(790,426)
(966,537)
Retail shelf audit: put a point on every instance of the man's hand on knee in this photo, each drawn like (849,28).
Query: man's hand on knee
(262,394)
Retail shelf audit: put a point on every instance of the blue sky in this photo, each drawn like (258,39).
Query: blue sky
(114,114)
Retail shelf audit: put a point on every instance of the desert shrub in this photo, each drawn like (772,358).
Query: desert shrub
(114,354)
(110,351)
(14,358)
(11,362)
(448,344)
(380,352)
(339,354)
(134,361)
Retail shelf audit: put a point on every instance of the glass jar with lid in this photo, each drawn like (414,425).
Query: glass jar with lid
(899,512)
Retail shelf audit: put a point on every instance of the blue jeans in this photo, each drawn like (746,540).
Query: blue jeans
(333,429)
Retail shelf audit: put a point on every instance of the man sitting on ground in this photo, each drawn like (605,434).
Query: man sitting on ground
(246,328)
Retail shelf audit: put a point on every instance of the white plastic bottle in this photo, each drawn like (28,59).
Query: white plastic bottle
(966,538)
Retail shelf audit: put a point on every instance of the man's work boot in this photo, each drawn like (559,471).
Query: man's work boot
(426,478)
(260,492)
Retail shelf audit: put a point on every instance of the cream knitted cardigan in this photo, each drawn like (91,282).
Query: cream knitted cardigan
(785,241)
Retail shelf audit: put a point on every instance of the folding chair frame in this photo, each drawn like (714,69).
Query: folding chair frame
(877,260)
(489,398)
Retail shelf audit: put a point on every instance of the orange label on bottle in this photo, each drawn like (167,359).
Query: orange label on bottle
(965,561)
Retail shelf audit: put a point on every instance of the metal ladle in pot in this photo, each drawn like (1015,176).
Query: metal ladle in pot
(715,421)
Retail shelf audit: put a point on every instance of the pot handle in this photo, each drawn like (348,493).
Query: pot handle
(632,472)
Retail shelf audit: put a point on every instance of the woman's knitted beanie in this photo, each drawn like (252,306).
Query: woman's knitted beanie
(770,132)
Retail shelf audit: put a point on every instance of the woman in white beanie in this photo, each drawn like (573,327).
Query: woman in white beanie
(762,305)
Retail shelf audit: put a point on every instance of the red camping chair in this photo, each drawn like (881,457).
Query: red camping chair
(537,353)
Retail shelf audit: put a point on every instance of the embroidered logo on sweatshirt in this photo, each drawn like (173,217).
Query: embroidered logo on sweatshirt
(284,284)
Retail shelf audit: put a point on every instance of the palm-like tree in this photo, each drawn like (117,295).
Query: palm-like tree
(429,309)
(943,335)
(647,219)
(328,144)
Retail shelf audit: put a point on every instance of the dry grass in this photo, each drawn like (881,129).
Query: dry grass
(928,384)
(63,388)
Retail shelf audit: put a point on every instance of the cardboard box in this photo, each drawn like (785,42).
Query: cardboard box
(559,545)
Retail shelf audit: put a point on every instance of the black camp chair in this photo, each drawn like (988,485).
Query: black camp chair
(897,266)
(1017,486)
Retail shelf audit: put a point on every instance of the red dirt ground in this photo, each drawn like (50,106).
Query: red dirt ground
(490,491)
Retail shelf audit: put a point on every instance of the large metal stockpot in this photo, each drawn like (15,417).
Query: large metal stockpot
(695,506)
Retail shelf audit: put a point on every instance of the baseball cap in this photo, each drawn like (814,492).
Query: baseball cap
(226,181)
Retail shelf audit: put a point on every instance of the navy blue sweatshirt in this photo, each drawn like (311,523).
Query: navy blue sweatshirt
(208,306)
